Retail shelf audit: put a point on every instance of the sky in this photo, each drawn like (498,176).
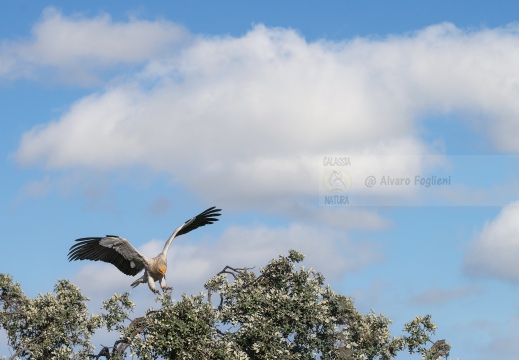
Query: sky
(378,138)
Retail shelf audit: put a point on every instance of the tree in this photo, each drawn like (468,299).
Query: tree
(282,312)
(50,326)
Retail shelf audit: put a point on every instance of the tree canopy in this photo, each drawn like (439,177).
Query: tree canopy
(281,312)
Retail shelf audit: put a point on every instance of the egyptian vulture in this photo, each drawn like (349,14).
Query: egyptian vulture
(119,252)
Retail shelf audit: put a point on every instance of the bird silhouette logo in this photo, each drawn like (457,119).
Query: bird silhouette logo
(336,181)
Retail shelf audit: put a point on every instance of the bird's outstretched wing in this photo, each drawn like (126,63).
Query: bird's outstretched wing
(111,249)
(204,218)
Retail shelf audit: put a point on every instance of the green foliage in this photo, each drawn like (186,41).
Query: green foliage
(182,330)
(282,312)
(117,309)
(56,326)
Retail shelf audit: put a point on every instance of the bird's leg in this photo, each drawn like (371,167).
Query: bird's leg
(143,279)
(151,285)
(163,285)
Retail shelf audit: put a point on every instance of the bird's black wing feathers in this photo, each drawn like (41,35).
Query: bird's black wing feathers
(111,249)
(207,217)
(119,252)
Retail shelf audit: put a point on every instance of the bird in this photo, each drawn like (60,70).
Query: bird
(118,251)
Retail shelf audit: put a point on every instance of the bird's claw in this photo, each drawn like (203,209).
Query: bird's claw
(167,288)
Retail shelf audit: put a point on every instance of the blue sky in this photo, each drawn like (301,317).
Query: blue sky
(123,118)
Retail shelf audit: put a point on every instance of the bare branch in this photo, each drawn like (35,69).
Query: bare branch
(139,324)
(234,272)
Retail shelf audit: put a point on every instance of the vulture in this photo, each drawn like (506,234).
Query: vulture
(119,252)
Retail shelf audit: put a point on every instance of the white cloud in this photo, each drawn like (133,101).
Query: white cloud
(75,46)
(191,264)
(247,120)
(328,251)
(101,278)
(495,249)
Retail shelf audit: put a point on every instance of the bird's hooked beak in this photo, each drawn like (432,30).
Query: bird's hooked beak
(162,270)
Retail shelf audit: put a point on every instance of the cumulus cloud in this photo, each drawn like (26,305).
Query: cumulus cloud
(100,278)
(495,249)
(253,116)
(76,46)
(192,263)
(328,251)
